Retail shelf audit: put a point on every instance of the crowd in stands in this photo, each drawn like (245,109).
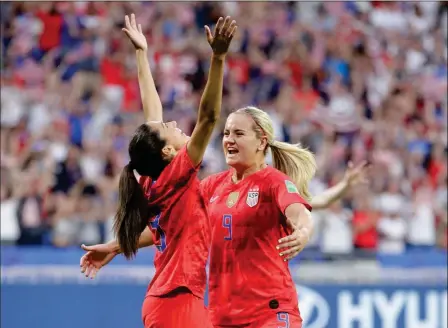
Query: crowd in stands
(350,80)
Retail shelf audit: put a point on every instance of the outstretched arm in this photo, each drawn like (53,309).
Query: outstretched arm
(145,240)
(353,176)
(97,256)
(210,105)
(152,106)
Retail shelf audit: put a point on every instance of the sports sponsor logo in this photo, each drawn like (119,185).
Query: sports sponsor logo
(313,307)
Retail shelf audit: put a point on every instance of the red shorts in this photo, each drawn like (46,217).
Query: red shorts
(279,320)
(178,309)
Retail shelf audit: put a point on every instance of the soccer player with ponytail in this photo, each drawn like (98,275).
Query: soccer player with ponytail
(251,207)
(166,198)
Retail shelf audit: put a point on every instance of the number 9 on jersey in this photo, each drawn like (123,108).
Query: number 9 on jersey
(227,224)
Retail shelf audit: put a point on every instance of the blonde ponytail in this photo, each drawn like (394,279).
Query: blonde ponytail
(296,162)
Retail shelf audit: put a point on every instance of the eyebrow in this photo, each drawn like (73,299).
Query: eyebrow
(236,130)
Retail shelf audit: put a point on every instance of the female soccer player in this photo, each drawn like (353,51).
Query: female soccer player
(251,207)
(168,193)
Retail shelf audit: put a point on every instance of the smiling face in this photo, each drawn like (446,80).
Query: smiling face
(169,132)
(242,146)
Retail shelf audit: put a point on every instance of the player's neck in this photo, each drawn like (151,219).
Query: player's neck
(241,174)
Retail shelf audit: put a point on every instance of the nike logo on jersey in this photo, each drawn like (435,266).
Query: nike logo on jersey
(213,199)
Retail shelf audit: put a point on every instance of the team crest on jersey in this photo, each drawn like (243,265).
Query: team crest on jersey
(252,197)
(232,199)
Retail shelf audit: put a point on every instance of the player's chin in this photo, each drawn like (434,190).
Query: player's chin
(232,159)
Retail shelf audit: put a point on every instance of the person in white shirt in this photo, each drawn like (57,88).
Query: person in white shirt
(392,229)
(336,237)
(422,223)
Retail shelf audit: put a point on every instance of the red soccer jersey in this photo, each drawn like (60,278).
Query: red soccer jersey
(248,279)
(181,231)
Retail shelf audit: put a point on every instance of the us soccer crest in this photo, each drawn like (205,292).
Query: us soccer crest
(252,197)
(232,199)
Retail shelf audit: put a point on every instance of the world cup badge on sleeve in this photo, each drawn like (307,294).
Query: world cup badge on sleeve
(252,197)
(232,199)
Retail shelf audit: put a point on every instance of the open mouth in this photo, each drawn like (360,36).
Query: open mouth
(232,151)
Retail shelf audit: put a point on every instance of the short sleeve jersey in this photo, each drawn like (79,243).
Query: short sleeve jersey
(181,230)
(248,279)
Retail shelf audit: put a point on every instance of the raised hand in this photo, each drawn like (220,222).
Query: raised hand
(134,33)
(222,36)
(356,174)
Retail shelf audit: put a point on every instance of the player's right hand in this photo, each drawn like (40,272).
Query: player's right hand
(222,35)
(96,257)
(134,33)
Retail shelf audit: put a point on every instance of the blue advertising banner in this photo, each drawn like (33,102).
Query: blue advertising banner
(45,289)
(72,305)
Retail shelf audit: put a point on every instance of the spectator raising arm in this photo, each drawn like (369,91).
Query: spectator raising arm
(353,176)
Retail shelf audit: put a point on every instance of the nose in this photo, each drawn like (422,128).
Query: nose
(173,124)
(228,139)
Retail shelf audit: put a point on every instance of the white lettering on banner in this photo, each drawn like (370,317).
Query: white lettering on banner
(430,315)
(389,309)
(311,302)
(403,308)
(350,313)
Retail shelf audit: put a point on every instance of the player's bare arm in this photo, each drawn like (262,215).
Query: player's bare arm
(152,106)
(97,256)
(298,218)
(210,105)
(353,176)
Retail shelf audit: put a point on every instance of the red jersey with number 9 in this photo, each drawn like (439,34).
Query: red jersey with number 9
(181,231)
(248,279)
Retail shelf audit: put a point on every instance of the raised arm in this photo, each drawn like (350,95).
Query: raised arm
(353,176)
(210,105)
(152,106)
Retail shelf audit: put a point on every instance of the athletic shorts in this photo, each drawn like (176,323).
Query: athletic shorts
(277,320)
(177,309)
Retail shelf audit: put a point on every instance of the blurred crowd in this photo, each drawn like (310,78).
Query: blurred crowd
(350,80)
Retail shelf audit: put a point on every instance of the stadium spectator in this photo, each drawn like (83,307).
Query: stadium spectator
(350,80)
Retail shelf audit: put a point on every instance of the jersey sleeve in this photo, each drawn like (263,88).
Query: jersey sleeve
(285,193)
(205,187)
(175,176)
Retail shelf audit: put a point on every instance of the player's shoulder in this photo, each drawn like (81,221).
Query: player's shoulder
(274,176)
(215,178)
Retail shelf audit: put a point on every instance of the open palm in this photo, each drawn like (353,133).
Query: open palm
(356,174)
(96,257)
(222,35)
(134,33)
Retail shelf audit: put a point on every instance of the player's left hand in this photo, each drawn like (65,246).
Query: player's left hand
(293,244)
(222,36)
(356,174)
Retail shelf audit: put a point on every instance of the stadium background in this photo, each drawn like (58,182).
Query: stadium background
(350,80)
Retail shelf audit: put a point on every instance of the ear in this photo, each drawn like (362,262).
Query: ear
(263,144)
(168,152)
